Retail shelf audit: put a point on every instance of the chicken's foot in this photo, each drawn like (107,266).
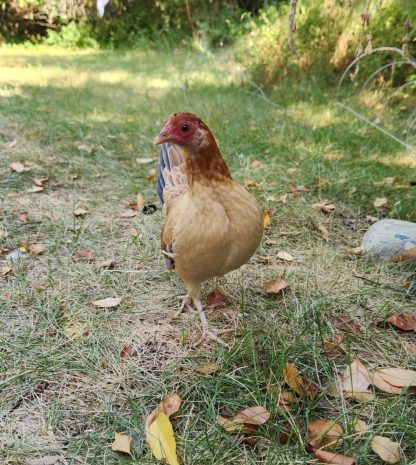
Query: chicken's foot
(185,304)
(209,332)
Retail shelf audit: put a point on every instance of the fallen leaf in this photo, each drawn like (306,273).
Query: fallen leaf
(383,385)
(398,376)
(216,299)
(85,148)
(334,346)
(266,219)
(325,206)
(257,164)
(386,449)
(276,286)
(106,263)
(161,439)
(36,249)
(144,161)
(209,369)
(17,167)
(40,181)
(13,143)
(380,202)
(408,255)
(109,302)
(252,416)
(356,377)
(23,217)
(333,459)
(46,460)
(127,351)
(294,380)
(333,156)
(360,426)
(140,201)
(35,189)
(283,198)
(129,214)
(250,183)
(346,324)
(359,396)
(5,270)
(151,175)
(291,171)
(86,254)
(371,219)
(231,426)
(288,396)
(80,212)
(323,230)
(322,182)
(285,256)
(324,433)
(170,404)
(411,348)
(403,321)
(122,443)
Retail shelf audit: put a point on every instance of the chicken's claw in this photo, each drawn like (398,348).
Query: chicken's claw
(211,333)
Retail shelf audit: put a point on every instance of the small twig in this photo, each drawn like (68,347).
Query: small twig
(386,286)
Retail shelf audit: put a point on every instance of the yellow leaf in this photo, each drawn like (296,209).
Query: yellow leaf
(266,219)
(122,443)
(386,449)
(161,439)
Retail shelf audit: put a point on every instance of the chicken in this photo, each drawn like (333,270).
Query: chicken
(212,224)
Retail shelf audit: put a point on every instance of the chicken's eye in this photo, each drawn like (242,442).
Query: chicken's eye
(184,127)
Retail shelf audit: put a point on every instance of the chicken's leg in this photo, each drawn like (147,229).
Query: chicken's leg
(208,331)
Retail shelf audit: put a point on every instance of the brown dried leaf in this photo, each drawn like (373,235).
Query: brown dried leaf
(17,167)
(403,321)
(36,249)
(408,255)
(231,426)
(5,270)
(371,219)
(127,351)
(383,385)
(40,181)
(122,443)
(360,426)
(333,459)
(170,404)
(334,346)
(356,378)
(411,348)
(386,449)
(250,183)
(106,263)
(151,175)
(380,202)
(398,376)
(323,230)
(346,324)
(209,369)
(359,396)
(252,416)
(293,379)
(289,397)
(80,212)
(276,286)
(283,198)
(35,190)
(324,433)
(108,302)
(23,217)
(86,254)
(285,256)
(257,164)
(325,206)
(216,299)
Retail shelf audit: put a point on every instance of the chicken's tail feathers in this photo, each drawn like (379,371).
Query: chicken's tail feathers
(172,180)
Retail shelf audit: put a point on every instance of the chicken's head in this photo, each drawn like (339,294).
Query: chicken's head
(186,130)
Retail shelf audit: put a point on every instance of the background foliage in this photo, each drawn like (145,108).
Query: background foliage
(326,36)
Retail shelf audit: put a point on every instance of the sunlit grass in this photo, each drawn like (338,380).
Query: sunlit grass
(54,102)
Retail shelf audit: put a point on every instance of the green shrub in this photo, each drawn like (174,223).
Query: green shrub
(72,35)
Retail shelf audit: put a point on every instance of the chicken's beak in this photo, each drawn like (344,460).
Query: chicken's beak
(160,138)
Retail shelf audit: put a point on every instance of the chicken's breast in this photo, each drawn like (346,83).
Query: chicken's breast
(214,229)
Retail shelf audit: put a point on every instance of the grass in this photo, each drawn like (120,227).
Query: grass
(82,119)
